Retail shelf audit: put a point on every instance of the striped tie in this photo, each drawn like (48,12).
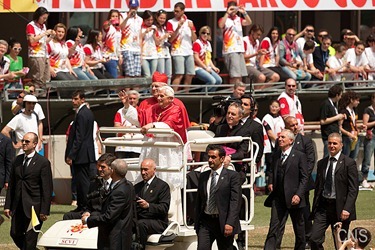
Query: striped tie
(211,208)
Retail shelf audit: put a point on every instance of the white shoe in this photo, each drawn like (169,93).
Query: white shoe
(365,184)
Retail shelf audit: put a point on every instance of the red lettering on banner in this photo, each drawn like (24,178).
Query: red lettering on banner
(254,3)
(289,3)
(188,4)
(273,3)
(205,3)
(166,4)
(87,3)
(118,4)
(147,4)
(55,4)
(360,3)
(6,5)
(105,4)
(312,3)
(341,3)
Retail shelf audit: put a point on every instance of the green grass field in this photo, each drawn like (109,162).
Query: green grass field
(365,215)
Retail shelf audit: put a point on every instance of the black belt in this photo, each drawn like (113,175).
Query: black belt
(212,215)
(329,201)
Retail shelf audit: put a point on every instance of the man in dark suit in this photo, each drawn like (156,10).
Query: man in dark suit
(287,185)
(336,191)
(30,185)
(153,199)
(115,220)
(305,145)
(218,203)
(99,187)
(79,151)
(6,157)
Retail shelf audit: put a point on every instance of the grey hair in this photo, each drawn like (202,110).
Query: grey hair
(335,135)
(168,91)
(239,84)
(133,92)
(289,133)
(238,106)
(3,42)
(120,167)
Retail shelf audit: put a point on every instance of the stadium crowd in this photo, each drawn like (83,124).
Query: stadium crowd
(169,52)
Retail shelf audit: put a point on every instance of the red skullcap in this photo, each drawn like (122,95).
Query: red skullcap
(159,77)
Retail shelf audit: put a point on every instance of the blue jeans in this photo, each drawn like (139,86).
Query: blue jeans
(149,66)
(368,151)
(293,75)
(84,75)
(111,67)
(346,148)
(165,66)
(209,78)
(325,148)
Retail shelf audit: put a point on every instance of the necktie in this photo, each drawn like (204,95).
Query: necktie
(211,208)
(106,185)
(25,163)
(145,187)
(329,181)
(283,157)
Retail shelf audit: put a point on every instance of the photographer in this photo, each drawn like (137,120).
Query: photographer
(99,188)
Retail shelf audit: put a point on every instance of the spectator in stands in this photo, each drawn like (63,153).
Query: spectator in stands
(93,55)
(205,69)
(121,122)
(308,63)
(290,104)
(239,89)
(158,81)
(330,118)
(60,68)
(348,126)
(111,42)
(148,40)
(24,122)
(252,53)
(273,124)
(101,183)
(153,198)
(77,55)
(162,44)
(370,54)
(369,141)
(38,37)
(322,53)
(349,38)
(291,56)
(233,49)
(322,33)
(182,31)
(307,34)
(358,60)
(131,41)
(336,66)
(16,61)
(5,62)
(271,59)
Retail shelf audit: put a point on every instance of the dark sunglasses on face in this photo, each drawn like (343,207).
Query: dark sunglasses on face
(25,141)
(205,33)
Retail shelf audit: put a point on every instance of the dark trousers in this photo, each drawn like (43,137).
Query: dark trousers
(149,226)
(209,231)
(279,216)
(307,221)
(24,240)
(83,174)
(326,216)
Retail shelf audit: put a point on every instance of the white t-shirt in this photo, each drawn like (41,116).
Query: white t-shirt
(58,56)
(38,49)
(37,109)
(149,50)
(232,35)
(301,42)
(370,54)
(250,49)
(163,51)
(182,45)
(131,34)
(270,58)
(276,124)
(354,60)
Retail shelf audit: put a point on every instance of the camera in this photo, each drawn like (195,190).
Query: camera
(100,192)
(221,107)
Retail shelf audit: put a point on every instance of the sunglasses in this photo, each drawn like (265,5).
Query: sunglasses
(25,141)
(17,49)
(20,96)
(289,34)
(205,33)
(310,30)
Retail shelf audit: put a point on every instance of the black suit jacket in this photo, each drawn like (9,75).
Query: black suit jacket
(32,187)
(158,196)
(6,158)
(346,184)
(295,177)
(228,199)
(115,221)
(80,146)
(318,58)
(251,129)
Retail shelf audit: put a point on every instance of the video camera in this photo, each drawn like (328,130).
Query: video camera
(100,192)
(221,107)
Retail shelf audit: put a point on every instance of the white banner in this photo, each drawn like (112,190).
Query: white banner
(191,5)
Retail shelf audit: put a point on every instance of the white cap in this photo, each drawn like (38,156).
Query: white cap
(30,98)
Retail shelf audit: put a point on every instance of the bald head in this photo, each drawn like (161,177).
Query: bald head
(148,169)
(291,123)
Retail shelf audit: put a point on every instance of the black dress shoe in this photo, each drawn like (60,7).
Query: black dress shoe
(1,220)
